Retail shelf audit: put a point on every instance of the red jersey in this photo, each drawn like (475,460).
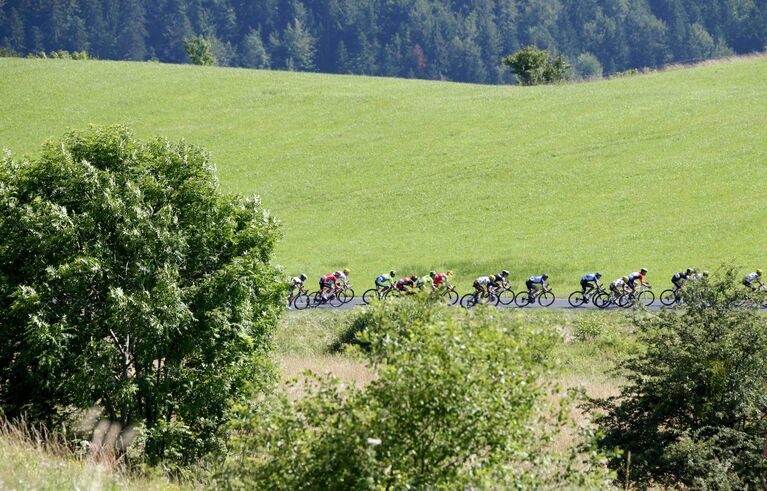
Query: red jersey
(439,279)
(329,278)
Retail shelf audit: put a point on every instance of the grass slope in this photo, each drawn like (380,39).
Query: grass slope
(664,170)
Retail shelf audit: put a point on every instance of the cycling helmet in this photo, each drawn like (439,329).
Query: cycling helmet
(504,273)
(392,273)
(432,274)
(705,274)
(545,276)
(643,270)
(337,274)
(625,279)
(346,271)
(493,278)
(759,272)
(690,271)
(450,273)
(414,278)
(598,274)
(303,276)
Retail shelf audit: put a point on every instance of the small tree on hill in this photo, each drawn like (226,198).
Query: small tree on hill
(533,66)
(693,411)
(129,282)
(199,51)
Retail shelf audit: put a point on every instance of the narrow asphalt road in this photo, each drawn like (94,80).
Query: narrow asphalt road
(559,304)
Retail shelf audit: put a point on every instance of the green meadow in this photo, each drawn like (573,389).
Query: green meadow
(665,170)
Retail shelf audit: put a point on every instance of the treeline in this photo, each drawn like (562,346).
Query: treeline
(434,39)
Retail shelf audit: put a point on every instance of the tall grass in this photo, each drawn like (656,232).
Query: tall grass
(33,458)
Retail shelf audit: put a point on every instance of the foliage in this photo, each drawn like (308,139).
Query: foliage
(199,51)
(533,66)
(454,403)
(460,41)
(62,54)
(588,67)
(130,282)
(693,410)
(8,53)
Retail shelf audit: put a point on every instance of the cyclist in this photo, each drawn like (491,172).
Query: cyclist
(343,277)
(502,278)
(533,282)
(383,279)
(633,277)
(407,284)
(618,287)
(425,280)
(588,283)
(484,285)
(328,283)
(441,279)
(755,277)
(679,278)
(296,283)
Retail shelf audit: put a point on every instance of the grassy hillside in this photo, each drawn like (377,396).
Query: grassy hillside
(664,170)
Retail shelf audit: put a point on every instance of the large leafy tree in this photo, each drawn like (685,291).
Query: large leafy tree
(129,282)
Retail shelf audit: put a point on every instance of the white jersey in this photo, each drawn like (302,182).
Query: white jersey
(296,281)
(484,280)
(751,278)
(619,283)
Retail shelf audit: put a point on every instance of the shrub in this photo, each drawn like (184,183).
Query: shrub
(455,402)
(199,51)
(692,412)
(129,282)
(533,66)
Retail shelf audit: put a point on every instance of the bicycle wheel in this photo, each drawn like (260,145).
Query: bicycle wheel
(646,298)
(506,297)
(522,299)
(370,295)
(468,301)
(626,301)
(338,299)
(451,297)
(576,299)
(668,297)
(301,302)
(315,299)
(545,299)
(349,295)
(601,300)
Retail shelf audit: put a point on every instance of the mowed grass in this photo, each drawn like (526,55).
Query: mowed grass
(663,171)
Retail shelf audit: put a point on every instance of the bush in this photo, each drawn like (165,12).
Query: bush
(533,66)
(199,51)
(692,411)
(455,403)
(8,53)
(588,67)
(130,283)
